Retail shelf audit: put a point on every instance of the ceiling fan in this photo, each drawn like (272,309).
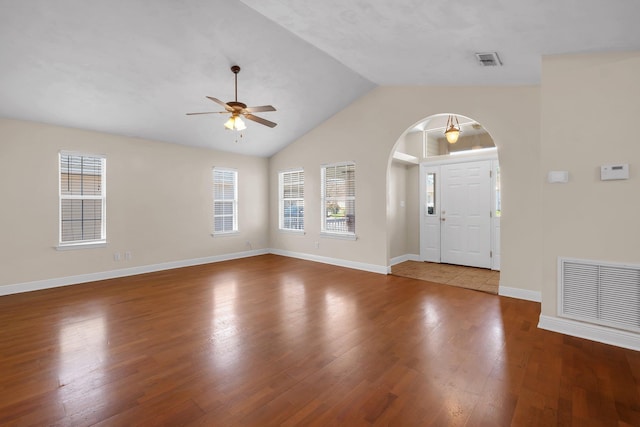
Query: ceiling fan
(239,109)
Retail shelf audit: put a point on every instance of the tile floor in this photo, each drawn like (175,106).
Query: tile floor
(479,279)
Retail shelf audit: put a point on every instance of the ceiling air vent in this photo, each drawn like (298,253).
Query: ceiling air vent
(488,59)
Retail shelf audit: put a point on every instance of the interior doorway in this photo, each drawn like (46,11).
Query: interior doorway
(444,198)
(460,197)
(459,224)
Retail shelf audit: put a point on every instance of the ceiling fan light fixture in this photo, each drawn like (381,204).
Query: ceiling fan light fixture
(235,123)
(453,130)
(238,109)
(239,124)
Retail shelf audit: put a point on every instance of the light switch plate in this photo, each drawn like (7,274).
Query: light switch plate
(558,177)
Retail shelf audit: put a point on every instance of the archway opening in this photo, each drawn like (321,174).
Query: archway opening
(415,196)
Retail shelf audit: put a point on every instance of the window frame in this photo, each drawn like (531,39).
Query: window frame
(350,235)
(234,215)
(282,200)
(76,244)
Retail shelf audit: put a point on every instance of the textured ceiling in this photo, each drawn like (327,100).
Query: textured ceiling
(417,42)
(135,67)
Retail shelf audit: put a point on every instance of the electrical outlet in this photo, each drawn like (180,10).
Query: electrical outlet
(127,256)
(317,244)
(116,256)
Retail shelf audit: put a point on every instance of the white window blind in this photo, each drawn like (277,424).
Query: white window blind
(339,198)
(82,199)
(291,191)
(225,200)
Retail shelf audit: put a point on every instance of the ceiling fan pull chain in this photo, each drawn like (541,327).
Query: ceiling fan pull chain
(237,137)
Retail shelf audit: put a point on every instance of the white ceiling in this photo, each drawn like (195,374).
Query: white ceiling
(135,67)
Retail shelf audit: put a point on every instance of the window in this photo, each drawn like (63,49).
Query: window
(339,199)
(291,190)
(431,194)
(82,199)
(225,200)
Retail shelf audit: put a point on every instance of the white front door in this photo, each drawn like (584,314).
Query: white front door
(465,214)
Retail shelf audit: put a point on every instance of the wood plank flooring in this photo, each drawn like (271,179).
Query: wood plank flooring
(274,341)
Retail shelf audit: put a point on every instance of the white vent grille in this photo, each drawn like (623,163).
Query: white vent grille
(603,293)
(488,59)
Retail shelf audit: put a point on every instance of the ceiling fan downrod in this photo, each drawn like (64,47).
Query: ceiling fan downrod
(236,69)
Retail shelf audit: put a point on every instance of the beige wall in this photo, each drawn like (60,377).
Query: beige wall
(403,199)
(403,222)
(590,105)
(367,131)
(412,245)
(159,202)
(413,144)
(397,215)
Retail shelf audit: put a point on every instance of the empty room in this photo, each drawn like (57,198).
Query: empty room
(295,213)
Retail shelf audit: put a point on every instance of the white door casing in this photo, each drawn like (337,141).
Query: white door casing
(496,213)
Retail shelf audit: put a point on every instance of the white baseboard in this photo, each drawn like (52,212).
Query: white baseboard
(403,258)
(591,332)
(373,268)
(103,275)
(518,293)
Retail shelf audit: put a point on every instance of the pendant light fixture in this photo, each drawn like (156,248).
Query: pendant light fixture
(453,131)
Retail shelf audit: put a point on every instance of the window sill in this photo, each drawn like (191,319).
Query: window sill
(84,245)
(225,233)
(287,231)
(343,236)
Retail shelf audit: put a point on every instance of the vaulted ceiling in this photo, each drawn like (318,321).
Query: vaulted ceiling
(135,67)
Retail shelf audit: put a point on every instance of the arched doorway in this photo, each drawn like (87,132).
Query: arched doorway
(452,193)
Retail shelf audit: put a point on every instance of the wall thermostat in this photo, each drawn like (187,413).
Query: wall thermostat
(611,172)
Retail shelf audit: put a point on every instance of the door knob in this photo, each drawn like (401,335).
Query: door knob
(443,219)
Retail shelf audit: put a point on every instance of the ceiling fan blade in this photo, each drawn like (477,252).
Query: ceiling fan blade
(208,112)
(259,109)
(260,120)
(224,104)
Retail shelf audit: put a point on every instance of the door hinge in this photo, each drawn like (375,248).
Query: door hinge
(490,254)
(490,214)
(490,173)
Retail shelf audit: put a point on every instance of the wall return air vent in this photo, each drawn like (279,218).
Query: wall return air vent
(488,59)
(602,293)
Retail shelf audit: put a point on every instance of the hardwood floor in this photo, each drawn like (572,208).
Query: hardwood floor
(276,341)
